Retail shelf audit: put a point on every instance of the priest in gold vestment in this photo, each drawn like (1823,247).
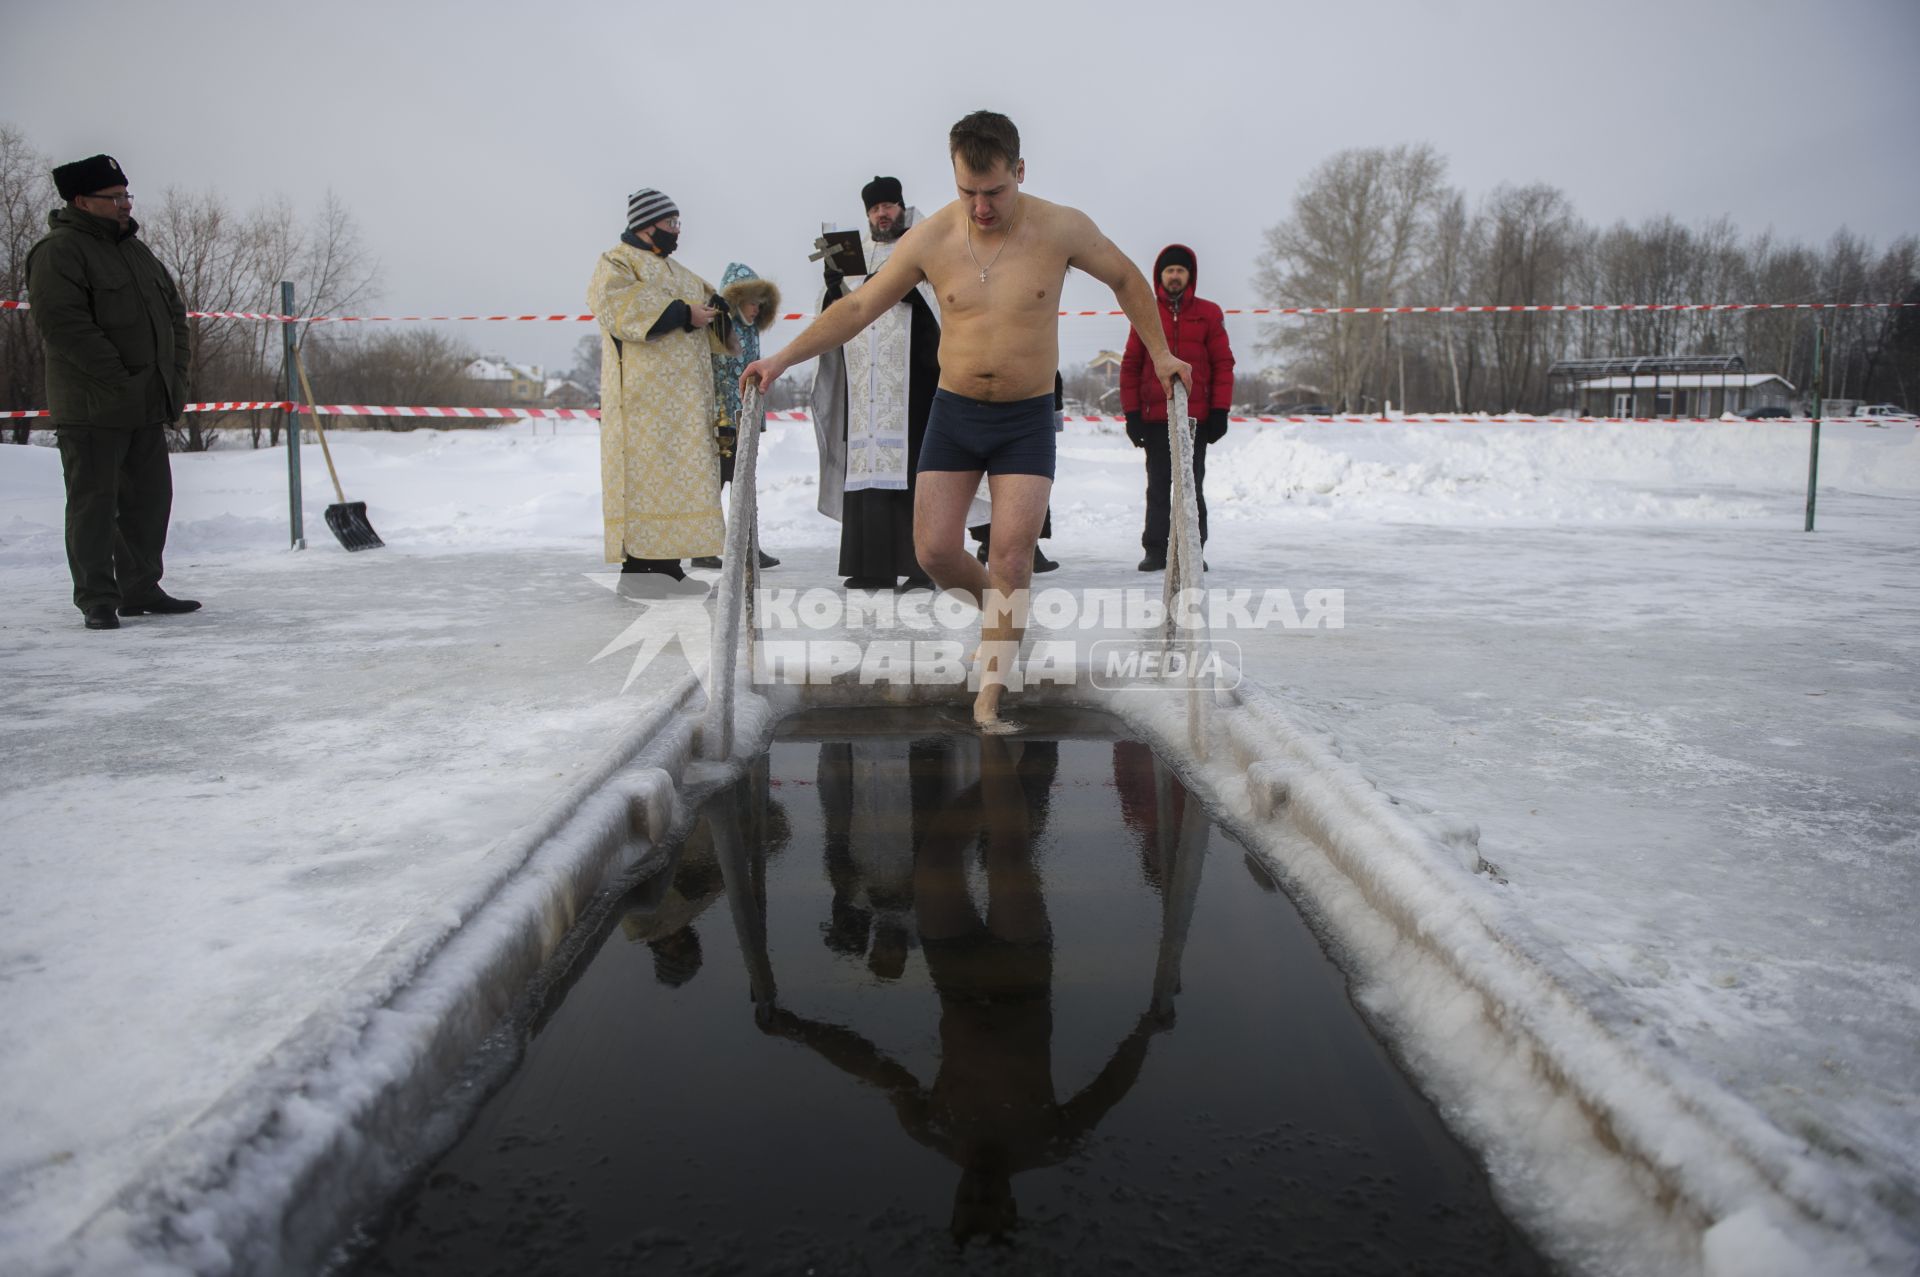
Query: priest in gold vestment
(659,463)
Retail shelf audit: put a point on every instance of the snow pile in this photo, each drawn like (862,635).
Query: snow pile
(537,484)
(1531,472)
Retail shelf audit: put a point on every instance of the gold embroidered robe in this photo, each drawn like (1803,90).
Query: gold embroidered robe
(659,467)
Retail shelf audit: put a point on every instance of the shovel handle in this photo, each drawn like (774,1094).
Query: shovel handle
(314,412)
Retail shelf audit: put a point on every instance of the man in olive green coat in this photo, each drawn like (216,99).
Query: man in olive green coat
(116,335)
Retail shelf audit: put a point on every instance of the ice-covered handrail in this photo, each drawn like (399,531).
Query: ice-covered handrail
(1186,570)
(733,604)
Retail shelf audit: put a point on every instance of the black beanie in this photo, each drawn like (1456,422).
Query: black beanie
(84,177)
(881,190)
(1175,255)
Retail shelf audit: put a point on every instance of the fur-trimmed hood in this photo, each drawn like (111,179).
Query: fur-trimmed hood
(740,285)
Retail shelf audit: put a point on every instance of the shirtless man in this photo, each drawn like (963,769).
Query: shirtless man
(997,259)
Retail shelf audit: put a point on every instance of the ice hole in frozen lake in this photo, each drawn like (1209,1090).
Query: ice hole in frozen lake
(910,999)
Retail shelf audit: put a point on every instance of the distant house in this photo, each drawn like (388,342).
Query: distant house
(1665,386)
(564,392)
(1105,366)
(501,382)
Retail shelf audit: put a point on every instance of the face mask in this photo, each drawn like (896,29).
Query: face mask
(665,241)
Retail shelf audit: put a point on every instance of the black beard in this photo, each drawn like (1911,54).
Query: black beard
(891,234)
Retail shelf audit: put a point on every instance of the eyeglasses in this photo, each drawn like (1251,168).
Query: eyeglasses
(124,197)
(669,223)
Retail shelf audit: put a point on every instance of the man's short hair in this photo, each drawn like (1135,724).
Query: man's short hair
(981,139)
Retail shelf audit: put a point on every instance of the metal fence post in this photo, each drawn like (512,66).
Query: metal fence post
(739,570)
(1813,453)
(290,396)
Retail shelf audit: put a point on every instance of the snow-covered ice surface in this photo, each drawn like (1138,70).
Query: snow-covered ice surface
(1689,735)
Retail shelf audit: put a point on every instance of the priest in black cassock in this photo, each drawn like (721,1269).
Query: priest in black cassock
(871,398)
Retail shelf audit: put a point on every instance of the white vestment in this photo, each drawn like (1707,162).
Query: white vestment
(860,409)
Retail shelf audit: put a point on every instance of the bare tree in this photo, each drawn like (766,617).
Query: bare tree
(1525,257)
(1359,226)
(26,195)
(209,254)
(586,360)
(1894,278)
(408,366)
(1903,348)
(1445,284)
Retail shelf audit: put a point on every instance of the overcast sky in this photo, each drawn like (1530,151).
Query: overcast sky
(487,149)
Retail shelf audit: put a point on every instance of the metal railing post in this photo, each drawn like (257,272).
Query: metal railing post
(737,575)
(288,395)
(1813,447)
(1185,567)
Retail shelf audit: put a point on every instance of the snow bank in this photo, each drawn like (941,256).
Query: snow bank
(1531,472)
(537,484)
(271,1175)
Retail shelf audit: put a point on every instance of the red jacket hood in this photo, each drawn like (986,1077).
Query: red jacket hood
(1160,264)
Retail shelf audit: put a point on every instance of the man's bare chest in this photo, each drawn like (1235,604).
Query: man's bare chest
(1004,278)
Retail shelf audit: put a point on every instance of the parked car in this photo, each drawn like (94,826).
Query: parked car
(1772,412)
(1884,412)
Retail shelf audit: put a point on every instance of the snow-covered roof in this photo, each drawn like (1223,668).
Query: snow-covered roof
(1686,380)
(493,368)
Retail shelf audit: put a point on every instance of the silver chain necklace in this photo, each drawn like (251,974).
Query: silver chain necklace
(1003,244)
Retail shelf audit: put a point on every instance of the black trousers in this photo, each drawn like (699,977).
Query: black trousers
(119,495)
(1159,452)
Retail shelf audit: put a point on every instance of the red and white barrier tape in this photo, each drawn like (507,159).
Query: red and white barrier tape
(1549,309)
(1442,418)
(378,410)
(593,414)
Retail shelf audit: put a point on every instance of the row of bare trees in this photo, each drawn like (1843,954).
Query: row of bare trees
(1380,226)
(226,259)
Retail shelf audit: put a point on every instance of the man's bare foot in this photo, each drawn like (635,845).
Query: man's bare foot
(986,714)
(993,663)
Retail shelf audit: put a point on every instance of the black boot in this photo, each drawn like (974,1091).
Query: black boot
(768,561)
(1153,563)
(159,603)
(1041,563)
(100,617)
(665,567)
(708,561)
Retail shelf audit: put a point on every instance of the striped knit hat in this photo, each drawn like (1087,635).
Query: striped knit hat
(647,206)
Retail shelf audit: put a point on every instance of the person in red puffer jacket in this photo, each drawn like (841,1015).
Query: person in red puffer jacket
(1196,332)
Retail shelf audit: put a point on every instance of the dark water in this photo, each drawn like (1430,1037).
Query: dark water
(937,1003)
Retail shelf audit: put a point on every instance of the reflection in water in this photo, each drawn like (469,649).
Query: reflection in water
(992,1108)
(977,944)
(663,911)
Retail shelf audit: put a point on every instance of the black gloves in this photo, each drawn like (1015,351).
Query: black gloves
(1213,427)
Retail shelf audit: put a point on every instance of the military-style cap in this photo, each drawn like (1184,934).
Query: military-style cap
(84,177)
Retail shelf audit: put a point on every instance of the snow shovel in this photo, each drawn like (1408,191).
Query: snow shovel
(348,519)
